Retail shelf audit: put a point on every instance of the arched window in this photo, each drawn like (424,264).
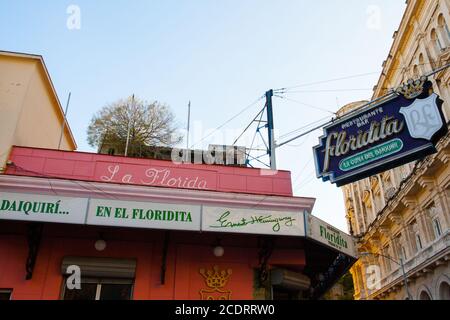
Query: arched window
(416,72)
(443,27)
(435,40)
(424,296)
(444,291)
(422,67)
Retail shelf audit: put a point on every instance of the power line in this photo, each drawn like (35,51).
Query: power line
(228,121)
(389,93)
(298,145)
(330,90)
(305,104)
(301,171)
(285,89)
(326,81)
(306,183)
(303,127)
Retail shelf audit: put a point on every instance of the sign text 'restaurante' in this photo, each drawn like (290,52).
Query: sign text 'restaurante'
(373,139)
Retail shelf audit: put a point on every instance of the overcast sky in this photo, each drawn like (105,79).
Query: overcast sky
(221,55)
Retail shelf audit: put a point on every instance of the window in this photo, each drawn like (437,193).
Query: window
(100,278)
(403,253)
(101,289)
(418,242)
(5,294)
(416,72)
(421,66)
(387,262)
(436,40)
(443,26)
(447,30)
(437,227)
(424,296)
(444,291)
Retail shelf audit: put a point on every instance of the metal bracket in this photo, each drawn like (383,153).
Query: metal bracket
(34,236)
(164,256)
(334,271)
(265,252)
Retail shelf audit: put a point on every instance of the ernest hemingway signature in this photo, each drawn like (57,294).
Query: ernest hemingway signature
(225,223)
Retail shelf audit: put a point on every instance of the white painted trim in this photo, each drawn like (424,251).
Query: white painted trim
(63,187)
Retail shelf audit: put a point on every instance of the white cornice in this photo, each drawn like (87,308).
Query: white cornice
(10,183)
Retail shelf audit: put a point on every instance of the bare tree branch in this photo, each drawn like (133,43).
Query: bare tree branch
(151,124)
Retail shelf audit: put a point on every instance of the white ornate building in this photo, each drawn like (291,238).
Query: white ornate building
(404,214)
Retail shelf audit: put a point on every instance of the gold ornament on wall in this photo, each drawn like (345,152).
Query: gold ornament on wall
(412,89)
(215,280)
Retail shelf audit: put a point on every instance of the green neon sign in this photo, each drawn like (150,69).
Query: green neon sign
(375,153)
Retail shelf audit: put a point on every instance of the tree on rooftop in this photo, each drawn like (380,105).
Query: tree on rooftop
(145,124)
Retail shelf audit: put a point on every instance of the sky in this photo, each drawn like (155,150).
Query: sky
(220,55)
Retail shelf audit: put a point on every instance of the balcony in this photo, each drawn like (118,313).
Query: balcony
(419,260)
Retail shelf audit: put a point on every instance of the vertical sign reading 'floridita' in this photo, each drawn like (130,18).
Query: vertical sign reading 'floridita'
(325,233)
(156,176)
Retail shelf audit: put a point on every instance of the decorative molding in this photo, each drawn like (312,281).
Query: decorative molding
(413,88)
(409,202)
(215,280)
(375,242)
(24,184)
(384,230)
(396,218)
(427,182)
(444,157)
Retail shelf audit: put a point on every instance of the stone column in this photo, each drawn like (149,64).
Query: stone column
(443,202)
(382,191)
(362,228)
(409,239)
(445,9)
(425,225)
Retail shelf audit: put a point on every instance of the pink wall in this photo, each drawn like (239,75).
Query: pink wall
(187,254)
(116,169)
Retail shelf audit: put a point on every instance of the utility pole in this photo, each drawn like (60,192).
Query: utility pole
(188,128)
(270,128)
(188,125)
(64,121)
(129,126)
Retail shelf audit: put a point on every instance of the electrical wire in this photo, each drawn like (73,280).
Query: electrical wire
(301,171)
(285,89)
(302,128)
(306,183)
(389,93)
(305,104)
(330,90)
(228,121)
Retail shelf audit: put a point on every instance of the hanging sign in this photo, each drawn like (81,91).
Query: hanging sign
(401,129)
(104,212)
(254,221)
(41,208)
(325,233)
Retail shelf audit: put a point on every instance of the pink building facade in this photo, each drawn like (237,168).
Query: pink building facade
(128,228)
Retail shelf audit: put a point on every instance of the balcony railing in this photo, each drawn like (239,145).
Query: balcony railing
(419,258)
